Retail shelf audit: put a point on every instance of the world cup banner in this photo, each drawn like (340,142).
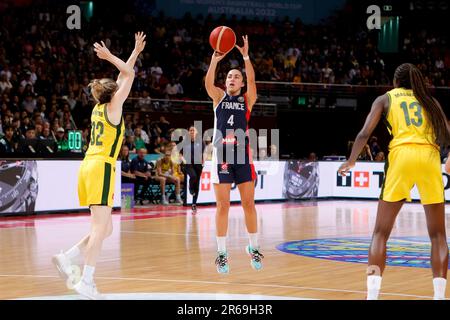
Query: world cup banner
(38,186)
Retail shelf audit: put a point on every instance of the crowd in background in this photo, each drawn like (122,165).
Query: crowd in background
(44,73)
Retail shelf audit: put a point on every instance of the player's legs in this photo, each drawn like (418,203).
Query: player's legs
(196,184)
(162,186)
(222,192)
(247,192)
(386,215)
(176,182)
(101,228)
(435,214)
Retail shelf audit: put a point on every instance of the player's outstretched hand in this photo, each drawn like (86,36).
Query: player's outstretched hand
(102,51)
(345,167)
(140,42)
(217,56)
(244,49)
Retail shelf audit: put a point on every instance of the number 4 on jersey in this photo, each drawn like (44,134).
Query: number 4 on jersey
(231,120)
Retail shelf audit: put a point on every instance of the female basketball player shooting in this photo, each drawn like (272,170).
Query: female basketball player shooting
(96,179)
(231,160)
(418,127)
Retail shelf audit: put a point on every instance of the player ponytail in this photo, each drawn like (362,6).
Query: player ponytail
(409,76)
(103,90)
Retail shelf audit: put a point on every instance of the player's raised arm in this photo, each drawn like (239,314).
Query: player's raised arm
(215,93)
(126,76)
(250,72)
(138,47)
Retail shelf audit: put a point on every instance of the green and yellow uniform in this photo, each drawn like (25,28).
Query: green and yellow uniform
(96,177)
(414,157)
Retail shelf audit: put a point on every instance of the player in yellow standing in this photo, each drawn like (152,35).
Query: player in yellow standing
(419,128)
(96,177)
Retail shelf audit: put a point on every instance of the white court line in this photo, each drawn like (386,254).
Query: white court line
(228,283)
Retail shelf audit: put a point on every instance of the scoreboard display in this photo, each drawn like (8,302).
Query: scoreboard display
(75,141)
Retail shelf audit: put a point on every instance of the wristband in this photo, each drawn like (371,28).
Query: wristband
(246,58)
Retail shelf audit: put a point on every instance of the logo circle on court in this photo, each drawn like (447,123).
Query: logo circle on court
(402,252)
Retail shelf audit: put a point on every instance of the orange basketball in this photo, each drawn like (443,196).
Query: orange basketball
(222,39)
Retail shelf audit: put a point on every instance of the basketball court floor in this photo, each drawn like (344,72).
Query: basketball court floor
(313,250)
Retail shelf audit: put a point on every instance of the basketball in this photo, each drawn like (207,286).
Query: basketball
(222,39)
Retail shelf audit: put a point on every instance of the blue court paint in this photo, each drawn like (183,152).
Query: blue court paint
(401,251)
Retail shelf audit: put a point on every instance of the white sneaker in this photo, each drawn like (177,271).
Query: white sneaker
(63,265)
(88,290)
(69,272)
(179,200)
(164,201)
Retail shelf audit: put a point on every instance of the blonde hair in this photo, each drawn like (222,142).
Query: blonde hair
(103,90)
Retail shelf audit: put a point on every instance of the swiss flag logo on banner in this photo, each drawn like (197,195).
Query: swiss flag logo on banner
(206,181)
(361,179)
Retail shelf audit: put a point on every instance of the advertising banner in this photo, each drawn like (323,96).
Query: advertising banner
(43,185)
(268,184)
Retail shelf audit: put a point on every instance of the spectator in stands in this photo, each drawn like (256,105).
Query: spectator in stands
(140,168)
(46,134)
(144,103)
(173,89)
(29,104)
(274,152)
(164,126)
(262,154)
(374,147)
(5,84)
(28,145)
(156,146)
(380,156)
(61,140)
(129,142)
(312,157)
(7,143)
(127,175)
(165,169)
(365,154)
(144,135)
(138,140)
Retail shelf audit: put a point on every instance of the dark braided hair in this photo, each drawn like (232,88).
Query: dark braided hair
(408,76)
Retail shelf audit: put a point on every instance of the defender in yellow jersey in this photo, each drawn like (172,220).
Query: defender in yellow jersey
(101,156)
(419,129)
(96,178)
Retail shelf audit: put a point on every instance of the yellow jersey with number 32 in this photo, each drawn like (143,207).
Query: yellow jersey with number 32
(106,138)
(407,120)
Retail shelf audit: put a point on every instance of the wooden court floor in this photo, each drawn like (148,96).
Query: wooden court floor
(157,250)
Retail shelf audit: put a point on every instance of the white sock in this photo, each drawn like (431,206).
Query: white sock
(373,287)
(439,285)
(221,244)
(253,239)
(72,252)
(178,197)
(88,273)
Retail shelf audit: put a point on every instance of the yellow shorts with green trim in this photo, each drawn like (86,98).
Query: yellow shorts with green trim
(409,165)
(96,182)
